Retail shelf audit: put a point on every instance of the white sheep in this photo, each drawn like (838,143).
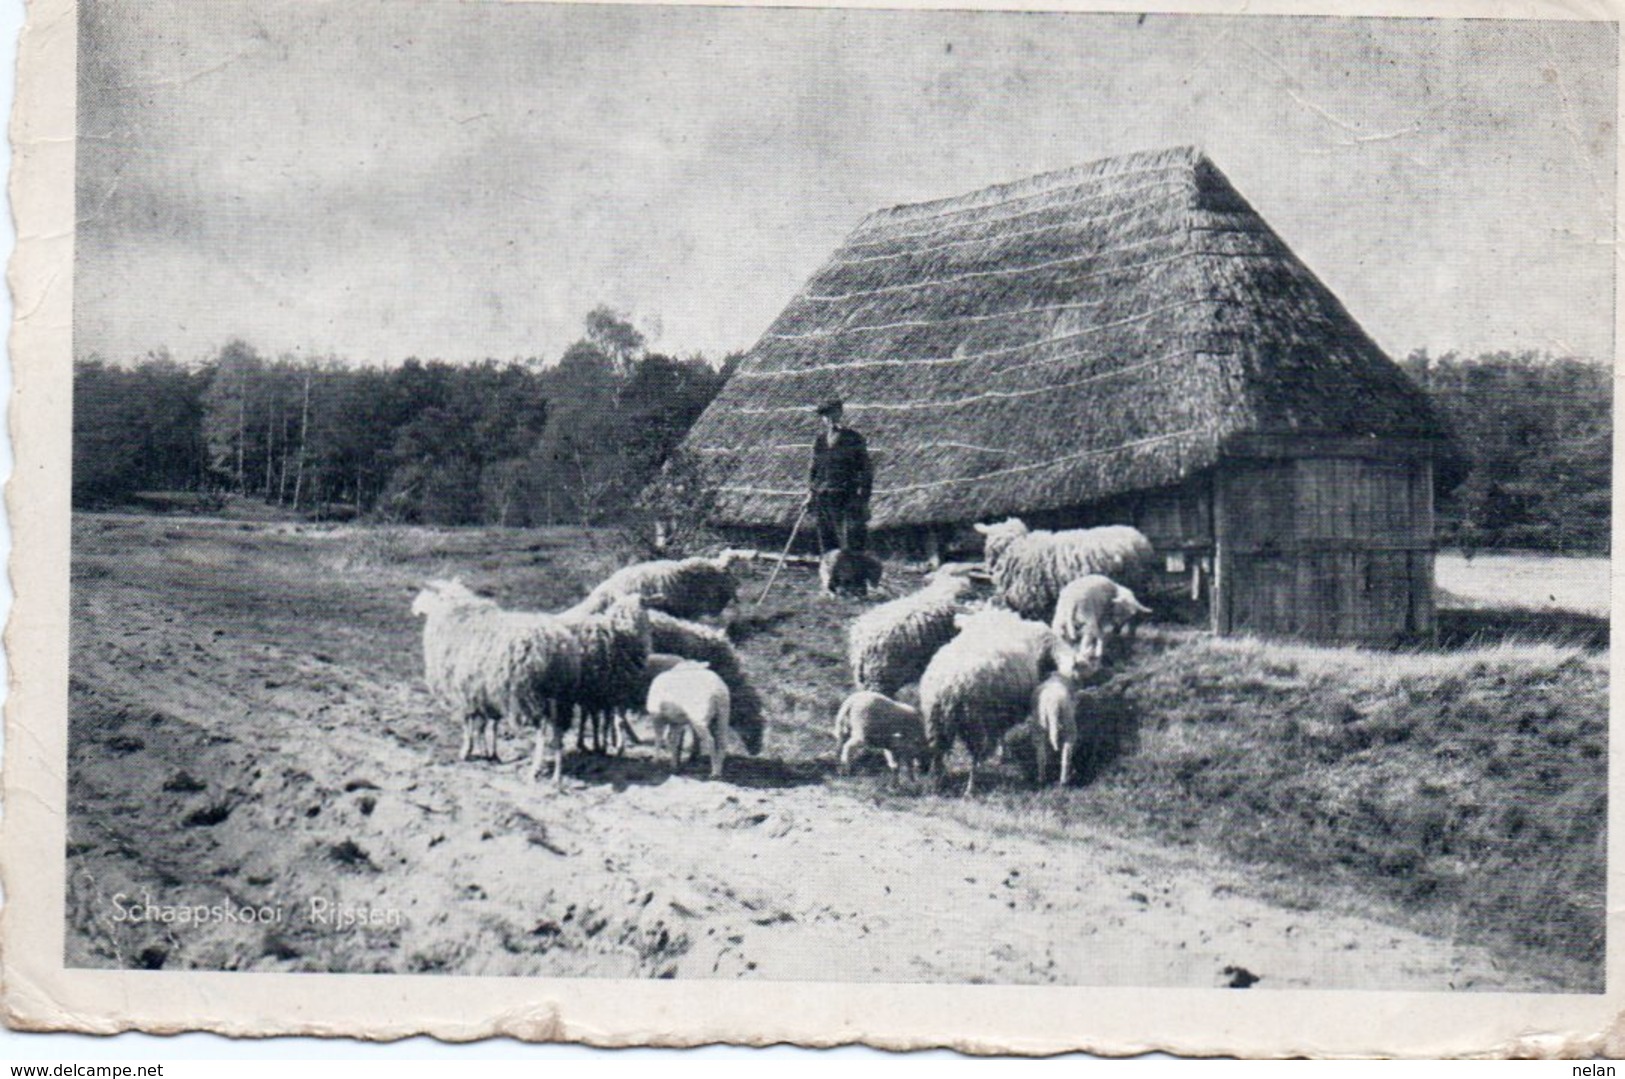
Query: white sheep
(690,698)
(684,588)
(1029,568)
(1055,714)
(711,647)
(658,663)
(1091,608)
(981,683)
(871,719)
(486,662)
(888,646)
(661,662)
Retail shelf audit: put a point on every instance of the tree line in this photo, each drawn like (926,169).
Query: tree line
(1538,433)
(578,440)
(524,442)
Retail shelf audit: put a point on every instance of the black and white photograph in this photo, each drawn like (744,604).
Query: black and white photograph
(1068,499)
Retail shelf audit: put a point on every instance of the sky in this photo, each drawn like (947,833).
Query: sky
(378,179)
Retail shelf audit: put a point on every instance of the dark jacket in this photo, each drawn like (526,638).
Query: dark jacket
(842,468)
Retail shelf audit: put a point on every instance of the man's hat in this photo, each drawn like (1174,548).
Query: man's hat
(832,407)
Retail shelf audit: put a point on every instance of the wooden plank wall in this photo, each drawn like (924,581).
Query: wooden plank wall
(1328,548)
(1175,518)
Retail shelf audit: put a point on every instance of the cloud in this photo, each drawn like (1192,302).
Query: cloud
(466,180)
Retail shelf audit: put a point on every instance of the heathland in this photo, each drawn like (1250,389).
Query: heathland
(249,727)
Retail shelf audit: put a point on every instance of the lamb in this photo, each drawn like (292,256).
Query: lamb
(684,588)
(981,683)
(690,697)
(889,646)
(487,662)
(660,663)
(1055,715)
(871,719)
(710,646)
(614,646)
(1089,609)
(1029,569)
(849,573)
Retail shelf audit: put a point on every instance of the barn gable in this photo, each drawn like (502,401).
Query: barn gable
(1051,343)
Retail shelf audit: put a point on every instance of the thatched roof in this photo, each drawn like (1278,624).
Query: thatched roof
(1048,343)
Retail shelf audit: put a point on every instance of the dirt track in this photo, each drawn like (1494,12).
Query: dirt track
(216,756)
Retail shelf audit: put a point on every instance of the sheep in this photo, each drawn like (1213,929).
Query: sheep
(849,573)
(1089,609)
(1029,569)
(685,588)
(1054,715)
(981,683)
(871,719)
(710,646)
(690,697)
(614,647)
(487,662)
(888,646)
(660,663)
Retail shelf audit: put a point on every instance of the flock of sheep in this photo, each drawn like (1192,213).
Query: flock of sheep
(631,645)
(983,670)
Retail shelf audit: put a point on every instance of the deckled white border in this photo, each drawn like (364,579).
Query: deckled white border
(40,994)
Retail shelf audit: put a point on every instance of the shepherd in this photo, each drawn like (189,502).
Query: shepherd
(840,481)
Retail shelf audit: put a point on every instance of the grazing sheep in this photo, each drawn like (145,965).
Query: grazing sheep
(849,573)
(690,697)
(888,646)
(1089,609)
(1030,568)
(710,646)
(1055,716)
(1057,720)
(614,648)
(981,683)
(871,719)
(487,663)
(659,663)
(685,588)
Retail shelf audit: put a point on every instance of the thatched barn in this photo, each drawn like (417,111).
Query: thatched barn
(1123,342)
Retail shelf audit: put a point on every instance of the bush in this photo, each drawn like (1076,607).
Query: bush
(672,516)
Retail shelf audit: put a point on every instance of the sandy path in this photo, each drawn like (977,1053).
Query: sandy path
(210,768)
(810,884)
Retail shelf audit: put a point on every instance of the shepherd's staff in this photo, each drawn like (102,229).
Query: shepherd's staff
(784,554)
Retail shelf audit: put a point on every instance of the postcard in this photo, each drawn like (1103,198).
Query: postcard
(1019,530)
